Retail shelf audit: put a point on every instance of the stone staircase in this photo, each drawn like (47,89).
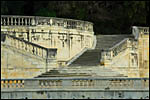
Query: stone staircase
(108,41)
(81,71)
(88,64)
(88,58)
(92,57)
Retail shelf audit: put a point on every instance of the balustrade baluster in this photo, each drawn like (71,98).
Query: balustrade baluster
(31,48)
(7,20)
(36,51)
(33,21)
(42,52)
(22,46)
(4,21)
(25,22)
(15,21)
(29,21)
(18,21)
(22,21)
(11,21)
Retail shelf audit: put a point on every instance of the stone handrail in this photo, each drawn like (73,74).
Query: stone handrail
(76,83)
(76,56)
(143,29)
(8,20)
(94,43)
(29,47)
(115,50)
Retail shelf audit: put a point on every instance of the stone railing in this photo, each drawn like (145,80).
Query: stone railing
(76,56)
(144,29)
(29,47)
(77,83)
(8,20)
(17,20)
(115,50)
(136,31)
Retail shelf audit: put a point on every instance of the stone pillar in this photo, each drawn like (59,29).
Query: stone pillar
(15,21)
(4,21)
(32,21)
(7,20)
(29,35)
(18,21)
(22,21)
(143,51)
(25,21)
(11,21)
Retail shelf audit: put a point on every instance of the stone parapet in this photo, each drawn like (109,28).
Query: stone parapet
(7,20)
(77,83)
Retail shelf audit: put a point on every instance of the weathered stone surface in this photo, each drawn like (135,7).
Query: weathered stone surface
(68,88)
(73,59)
(23,63)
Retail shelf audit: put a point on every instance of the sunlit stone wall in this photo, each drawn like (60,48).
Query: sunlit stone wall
(69,36)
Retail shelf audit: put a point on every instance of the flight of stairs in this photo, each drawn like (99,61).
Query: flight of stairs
(88,58)
(88,64)
(108,41)
(81,71)
(92,57)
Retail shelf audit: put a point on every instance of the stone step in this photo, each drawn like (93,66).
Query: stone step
(108,41)
(66,72)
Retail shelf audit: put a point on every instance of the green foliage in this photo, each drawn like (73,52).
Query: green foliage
(4,8)
(108,17)
(80,13)
(45,12)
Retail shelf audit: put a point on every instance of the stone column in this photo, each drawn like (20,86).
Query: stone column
(25,21)
(32,21)
(4,21)
(29,35)
(7,20)
(11,21)
(18,21)
(22,21)
(15,21)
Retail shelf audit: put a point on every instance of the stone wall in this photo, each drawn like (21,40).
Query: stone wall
(131,56)
(69,88)
(143,50)
(23,59)
(67,35)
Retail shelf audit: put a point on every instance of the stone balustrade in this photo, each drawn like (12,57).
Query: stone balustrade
(17,20)
(29,47)
(115,50)
(77,83)
(8,20)
(144,30)
(17,83)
